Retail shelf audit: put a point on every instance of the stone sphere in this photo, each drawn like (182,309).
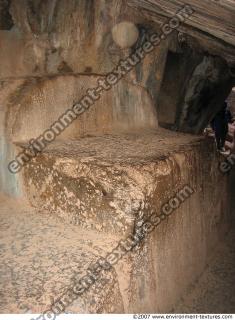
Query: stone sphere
(125,34)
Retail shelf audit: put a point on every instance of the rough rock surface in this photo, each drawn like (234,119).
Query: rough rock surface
(160,268)
(111,188)
(40,257)
(35,105)
(213,292)
(211,26)
(51,52)
(104,182)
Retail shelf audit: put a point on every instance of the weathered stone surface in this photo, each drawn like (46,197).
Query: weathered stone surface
(193,90)
(154,276)
(63,36)
(178,70)
(41,258)
(107,182)
(48,42)
(208,88)
(212,22)
(207,294)
(37,104)
(103,183)
(125,34)
(8,183)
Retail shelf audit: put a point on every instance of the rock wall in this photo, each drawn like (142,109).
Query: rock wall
(9,183)
(63,48)
(39,103)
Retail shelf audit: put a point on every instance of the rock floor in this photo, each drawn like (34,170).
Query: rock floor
(40,256)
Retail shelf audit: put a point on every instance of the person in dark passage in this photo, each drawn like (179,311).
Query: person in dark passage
(220,126)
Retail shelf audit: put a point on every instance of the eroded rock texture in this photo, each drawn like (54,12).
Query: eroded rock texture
(104,187)
(211,26)
(193,92)
(182,76)
(200,74)
(114,165)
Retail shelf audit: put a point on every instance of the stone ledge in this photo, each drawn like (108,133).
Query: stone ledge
(105,182)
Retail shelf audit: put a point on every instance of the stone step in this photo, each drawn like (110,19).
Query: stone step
(122,178)
(105,183)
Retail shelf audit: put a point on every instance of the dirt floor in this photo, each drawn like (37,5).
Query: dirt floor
(214,292)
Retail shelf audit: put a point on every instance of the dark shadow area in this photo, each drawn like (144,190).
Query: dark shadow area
(6,22)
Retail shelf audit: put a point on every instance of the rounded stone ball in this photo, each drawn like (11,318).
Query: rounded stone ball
(125,34)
